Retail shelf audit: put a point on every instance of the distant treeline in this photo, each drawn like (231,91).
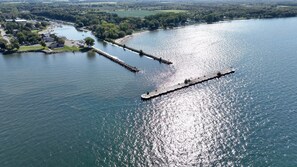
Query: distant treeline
(109,25)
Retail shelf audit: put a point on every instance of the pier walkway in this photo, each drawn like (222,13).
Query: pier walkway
(140,52)
(185,84)
(116,60)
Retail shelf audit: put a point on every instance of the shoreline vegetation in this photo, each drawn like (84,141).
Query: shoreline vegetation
(26,49)
(39,44)
(46,50)
(124,39)
(23,24)
(116,21)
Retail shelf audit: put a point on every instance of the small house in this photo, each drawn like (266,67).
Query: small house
(20,21)
(9,20)
(55,45)
(48,39)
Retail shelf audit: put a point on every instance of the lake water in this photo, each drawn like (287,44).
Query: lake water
(83,110)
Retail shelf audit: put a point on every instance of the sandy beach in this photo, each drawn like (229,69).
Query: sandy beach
(127,37)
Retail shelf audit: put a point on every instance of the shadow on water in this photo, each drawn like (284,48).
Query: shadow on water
(12,56)
(91,55)
(104,44)
(85,50)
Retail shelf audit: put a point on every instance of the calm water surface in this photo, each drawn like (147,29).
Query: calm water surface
(84,110)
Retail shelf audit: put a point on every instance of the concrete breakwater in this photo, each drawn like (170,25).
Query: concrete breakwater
(140,52)
(186,83)
(116,60)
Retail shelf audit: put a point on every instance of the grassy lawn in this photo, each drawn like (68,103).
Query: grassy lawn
(30,48)
(63,49)
(142,13)
(67,49)
(173,11)
(134,13)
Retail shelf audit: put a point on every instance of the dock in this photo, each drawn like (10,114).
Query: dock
(140,52)
(116,60)
(186,83)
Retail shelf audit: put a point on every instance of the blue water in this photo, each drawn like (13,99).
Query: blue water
(83,110)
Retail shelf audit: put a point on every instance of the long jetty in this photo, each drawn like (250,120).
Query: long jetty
(140,52)
(186,83)
(116,60)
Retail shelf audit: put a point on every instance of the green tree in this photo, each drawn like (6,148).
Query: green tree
(121,34)
(61,41)
(29,25)
(38,25)
(32,38)
(44,24)
(124,26)
(43,44)
(153,25)
(79,24)
(129,32)
(3,44)
(89,41)
(15,44)
(21,37)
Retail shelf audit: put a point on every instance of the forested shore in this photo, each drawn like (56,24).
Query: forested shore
(106,22)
